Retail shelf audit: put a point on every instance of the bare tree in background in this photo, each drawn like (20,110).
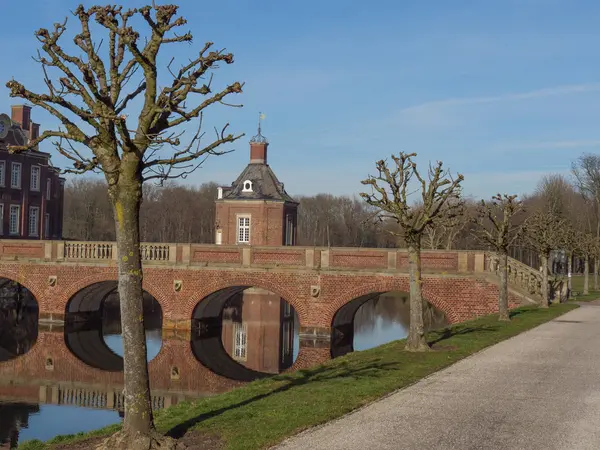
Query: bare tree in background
(88,92)
(391,188)
(497,229)
(544,233)
(586,171)
(585,245)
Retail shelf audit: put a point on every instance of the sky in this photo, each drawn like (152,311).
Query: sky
(502,92)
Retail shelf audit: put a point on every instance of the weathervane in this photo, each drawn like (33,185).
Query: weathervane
(259,138)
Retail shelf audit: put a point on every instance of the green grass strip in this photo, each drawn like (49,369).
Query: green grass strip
(267,411)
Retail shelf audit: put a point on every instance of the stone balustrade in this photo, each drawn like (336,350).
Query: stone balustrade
(292,257)
(520,275)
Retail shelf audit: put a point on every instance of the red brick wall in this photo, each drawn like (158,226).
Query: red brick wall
(266,223)
(460,296)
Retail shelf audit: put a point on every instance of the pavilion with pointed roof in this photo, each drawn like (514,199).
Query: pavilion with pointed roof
(256,209)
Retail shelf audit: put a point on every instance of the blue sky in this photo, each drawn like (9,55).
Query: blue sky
(502,92)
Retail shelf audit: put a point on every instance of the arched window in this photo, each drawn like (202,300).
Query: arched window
(247,186)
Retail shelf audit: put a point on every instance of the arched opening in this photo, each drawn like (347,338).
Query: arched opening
(93,326)
(19,314)
(377,318)
(245,333)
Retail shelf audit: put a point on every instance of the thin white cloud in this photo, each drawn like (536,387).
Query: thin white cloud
(511,97)
(548,145)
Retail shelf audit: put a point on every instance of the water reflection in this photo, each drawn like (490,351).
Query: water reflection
(71,379)
(18,320)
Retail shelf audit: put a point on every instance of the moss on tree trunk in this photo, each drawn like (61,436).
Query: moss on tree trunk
(503,287)
(126,199)
(416,332)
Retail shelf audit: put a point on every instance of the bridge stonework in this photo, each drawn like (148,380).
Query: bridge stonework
(316,281)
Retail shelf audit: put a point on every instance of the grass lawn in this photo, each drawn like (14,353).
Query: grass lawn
(265,412)
(577,286)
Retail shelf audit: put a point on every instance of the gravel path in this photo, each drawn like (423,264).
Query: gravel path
(538,390)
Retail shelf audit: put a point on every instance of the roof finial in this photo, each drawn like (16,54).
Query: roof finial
(259,138)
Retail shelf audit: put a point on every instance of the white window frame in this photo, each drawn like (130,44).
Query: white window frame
(2,173)
(46,225)
(247,186)
(240,341)
(35,183)
(18,224)
(34,227)
(16,185)
(245,239)
(48,187)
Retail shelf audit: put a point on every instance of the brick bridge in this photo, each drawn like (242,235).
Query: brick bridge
(193,281)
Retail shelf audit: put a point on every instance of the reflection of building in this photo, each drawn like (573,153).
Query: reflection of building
(31,189)
(14,416)
(256,209)
(258,330)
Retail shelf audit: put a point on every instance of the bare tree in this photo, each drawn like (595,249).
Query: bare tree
(545,232)
(496,229)
(586,245)
(89,96)
(586,171)
(390,191)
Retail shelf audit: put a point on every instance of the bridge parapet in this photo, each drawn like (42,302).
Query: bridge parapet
(104,253)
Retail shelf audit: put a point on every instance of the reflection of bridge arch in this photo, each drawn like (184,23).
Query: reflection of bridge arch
(84,333)
(207,334)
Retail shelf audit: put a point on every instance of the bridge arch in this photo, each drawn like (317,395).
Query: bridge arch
(36,291)
(432,292)
(84,331)
(19,319)
(247,280)
(209,329)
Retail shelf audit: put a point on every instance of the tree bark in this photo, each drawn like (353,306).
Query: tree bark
(416,333)
(586,276)
(595,273)
(503,288)
(569,274)
(545,291)
(126,200)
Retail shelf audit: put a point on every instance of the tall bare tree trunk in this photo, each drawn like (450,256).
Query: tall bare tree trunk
(595,273)
(545,290)
(416,333)
(569,274)
(503,288)
(126,200)
(586,276)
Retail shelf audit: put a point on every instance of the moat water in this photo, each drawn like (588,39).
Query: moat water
(68,379)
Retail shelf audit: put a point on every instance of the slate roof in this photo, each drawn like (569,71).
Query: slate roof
(265,185)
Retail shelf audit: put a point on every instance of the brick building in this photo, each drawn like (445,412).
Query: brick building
(31,204)
(256,209)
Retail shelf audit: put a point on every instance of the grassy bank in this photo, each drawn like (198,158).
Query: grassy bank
(577,287)
(267,411)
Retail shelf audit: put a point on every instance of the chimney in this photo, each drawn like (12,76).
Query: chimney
(21,114)
(258,152)
(34,131)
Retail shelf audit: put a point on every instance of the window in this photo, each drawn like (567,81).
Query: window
(240,334)
(2,172)
(34,184)
(289,230)
(247,186)
(46,226)
(15,175)
(1,218)
(48,188)
(34,220)
(13,225)
(244,230)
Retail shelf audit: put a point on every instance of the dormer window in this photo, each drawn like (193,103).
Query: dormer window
(247,186)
